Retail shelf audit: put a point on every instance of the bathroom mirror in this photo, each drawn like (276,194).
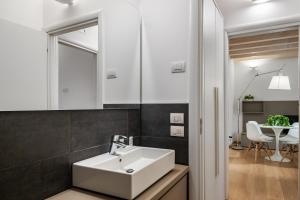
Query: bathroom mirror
(83,61)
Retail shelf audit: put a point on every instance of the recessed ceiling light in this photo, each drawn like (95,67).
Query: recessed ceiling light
(260,1)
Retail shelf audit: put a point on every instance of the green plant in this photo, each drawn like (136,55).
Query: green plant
(249,97)
(278,120)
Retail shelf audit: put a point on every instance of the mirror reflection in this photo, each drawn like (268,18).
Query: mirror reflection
(80,62)
(78,69)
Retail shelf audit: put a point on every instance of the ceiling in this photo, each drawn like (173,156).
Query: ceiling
(243,12)
(87,38)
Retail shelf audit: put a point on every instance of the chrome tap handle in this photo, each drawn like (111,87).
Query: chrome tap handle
(119,138)
(118,141)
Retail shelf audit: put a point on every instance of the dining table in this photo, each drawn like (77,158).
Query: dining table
(277,131)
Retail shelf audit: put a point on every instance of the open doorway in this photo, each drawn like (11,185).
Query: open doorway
(75,64)
(262,100)
(77,74)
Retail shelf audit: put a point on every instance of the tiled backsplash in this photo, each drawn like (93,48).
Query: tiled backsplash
(155,130)
(38,148)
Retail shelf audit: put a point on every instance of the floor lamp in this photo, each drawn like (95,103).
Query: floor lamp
(278,82)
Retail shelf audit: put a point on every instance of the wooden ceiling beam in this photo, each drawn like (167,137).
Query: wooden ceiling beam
(265,49)
(274,56)
(263,44)
(277,53)
(264,37)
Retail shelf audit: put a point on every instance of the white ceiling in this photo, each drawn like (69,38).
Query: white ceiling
(242,12)
(87,37)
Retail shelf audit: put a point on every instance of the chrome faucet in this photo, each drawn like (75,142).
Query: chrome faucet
(118,141)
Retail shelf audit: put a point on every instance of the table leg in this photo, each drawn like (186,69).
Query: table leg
(277,156)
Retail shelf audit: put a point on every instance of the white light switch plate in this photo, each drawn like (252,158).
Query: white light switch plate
(178,67)
(177,118)
(111,74)
(177,131)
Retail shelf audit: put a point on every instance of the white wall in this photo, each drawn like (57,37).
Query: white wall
(165,40)
(240,13)
(121,24)
(259,88)
(77,78)
(23,56)
(230,97)
(28,13)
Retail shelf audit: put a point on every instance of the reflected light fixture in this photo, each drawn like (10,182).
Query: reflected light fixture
(280,82)
(260,1)
(68,2)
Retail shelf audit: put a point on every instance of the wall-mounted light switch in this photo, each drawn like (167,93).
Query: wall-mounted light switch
(178,67)
(177,118)
(177,131)
(111,74)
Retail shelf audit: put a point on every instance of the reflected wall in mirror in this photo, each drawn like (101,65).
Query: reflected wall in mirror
(23,67)
(29,82)
(78,69)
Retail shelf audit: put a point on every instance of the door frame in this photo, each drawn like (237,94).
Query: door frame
(95,18)
(299,110)
(195,65)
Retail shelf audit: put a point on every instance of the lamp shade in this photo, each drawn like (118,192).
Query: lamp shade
(280,83)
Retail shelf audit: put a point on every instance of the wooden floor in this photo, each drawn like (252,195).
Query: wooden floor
(261,180)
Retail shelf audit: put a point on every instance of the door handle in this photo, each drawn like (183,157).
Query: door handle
(216,129)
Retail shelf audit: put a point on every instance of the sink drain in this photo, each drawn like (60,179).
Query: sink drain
(130,171)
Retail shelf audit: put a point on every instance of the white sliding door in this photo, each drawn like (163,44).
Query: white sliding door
(209,48)
(213,102)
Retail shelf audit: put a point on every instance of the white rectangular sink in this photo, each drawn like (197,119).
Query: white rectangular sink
(126,175)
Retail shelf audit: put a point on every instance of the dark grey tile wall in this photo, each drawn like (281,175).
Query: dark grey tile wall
(122,106)
(38,148)
(155,129)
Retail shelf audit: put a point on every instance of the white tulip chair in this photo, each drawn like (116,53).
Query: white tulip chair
(291,141)
(257,138)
